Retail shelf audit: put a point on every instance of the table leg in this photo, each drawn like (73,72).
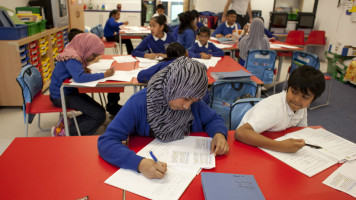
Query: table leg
(280,62)
(64,109)
(120,43)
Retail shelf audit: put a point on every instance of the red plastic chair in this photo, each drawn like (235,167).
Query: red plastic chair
(113,45)
(316,38)
(295,38)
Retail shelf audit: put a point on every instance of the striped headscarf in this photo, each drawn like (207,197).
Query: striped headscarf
(81,47)
(183,78)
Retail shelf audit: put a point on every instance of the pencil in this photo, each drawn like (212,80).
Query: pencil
(313,146)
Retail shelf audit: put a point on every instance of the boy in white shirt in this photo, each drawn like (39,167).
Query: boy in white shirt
(281,111)
(160,11)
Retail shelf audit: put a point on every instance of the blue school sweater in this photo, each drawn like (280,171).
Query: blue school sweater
(224,29)
(187,38)
(175,32)
(132,119)
(111,27)
(149,43)
(69,69)
(145,75)
(195,50)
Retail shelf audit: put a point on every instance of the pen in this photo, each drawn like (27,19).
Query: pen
(154,157)
(313,146)
(149,47)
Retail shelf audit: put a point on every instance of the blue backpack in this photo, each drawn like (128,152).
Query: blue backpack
(30,81)
(98,30)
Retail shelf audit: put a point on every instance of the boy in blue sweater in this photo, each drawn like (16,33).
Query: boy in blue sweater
(168,109)
(204,49)
(155,45)
(226,29)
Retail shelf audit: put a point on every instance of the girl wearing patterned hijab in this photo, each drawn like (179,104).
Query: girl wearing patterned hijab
(71,63)
(169,109)
(256,39)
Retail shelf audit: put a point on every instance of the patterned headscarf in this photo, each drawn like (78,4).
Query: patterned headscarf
(81,47)
(183,78)
(256,39)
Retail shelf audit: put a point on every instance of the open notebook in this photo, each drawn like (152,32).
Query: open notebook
(311,161)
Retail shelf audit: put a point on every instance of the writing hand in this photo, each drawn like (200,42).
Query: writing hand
(291,145)
(219,145)
(87,70)
(151,169)
(109,72)
(150,56)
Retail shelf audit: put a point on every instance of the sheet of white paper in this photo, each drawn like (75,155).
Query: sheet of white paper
(222,46)
(282,46)
(123,75)
(124,59)
(192,151)
(208,62)
(213,38)
(332,145)
(344,178)
(86,84)
(146,65)
(102,64)
(146,60)
(306,160)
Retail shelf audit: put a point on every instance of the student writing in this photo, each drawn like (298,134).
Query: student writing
(226,29)
(112,30)
(255,40)
(85,48)
(204,49)
(155,44)
(281,111)
(174,51)
(169,108)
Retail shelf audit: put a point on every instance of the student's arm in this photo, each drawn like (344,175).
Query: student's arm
(218,32)
(145,75)
(113,24)
(249,11)
(216,51)
(214,126)
(139,51)
(247,135)
(189,38)
(193,51)
(227,5)
(76,70)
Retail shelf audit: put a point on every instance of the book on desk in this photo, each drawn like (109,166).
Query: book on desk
(235,75)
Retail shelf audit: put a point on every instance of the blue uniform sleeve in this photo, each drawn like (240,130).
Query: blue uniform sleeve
(211,121)
(216,51)
(219,30)
(76,70)
(139,51)
(193,51)
(190,38)
(110,145)
(145,75)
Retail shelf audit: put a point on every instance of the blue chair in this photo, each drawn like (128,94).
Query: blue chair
(238,110)
(300,58)
(261,63)
(224,92)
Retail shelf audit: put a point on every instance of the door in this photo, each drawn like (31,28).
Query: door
(76,14)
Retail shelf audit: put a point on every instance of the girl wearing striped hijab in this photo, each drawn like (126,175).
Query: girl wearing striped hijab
(169,109)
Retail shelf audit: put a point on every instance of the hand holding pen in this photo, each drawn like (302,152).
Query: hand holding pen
(152,168)
(109,72)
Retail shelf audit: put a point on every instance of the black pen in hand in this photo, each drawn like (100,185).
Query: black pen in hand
(313,146)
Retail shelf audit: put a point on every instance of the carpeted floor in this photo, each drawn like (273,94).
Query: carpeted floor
(339,117)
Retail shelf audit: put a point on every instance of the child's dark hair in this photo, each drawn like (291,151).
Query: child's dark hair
(196,13)
(113,12)
(204,29)
(73,32)
(185,21)
(230,12)
(306,78)
(161,20)
(174,50)
(160,6)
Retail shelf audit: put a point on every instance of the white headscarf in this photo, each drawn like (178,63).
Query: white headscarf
(255,40)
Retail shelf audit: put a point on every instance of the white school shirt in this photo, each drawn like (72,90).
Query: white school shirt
(274,114)
(240,6)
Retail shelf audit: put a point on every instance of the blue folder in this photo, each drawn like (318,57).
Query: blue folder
(230,186)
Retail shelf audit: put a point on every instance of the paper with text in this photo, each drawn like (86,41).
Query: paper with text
(344,178)
(192,151)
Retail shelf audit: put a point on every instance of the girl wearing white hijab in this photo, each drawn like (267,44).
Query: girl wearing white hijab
(169,109)
(255,40)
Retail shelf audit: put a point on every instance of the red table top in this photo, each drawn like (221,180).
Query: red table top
(71,168)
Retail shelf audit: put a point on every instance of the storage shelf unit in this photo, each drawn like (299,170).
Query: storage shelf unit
(36,49)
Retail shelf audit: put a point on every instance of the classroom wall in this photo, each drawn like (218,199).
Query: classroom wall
(336,23)
(11,4)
